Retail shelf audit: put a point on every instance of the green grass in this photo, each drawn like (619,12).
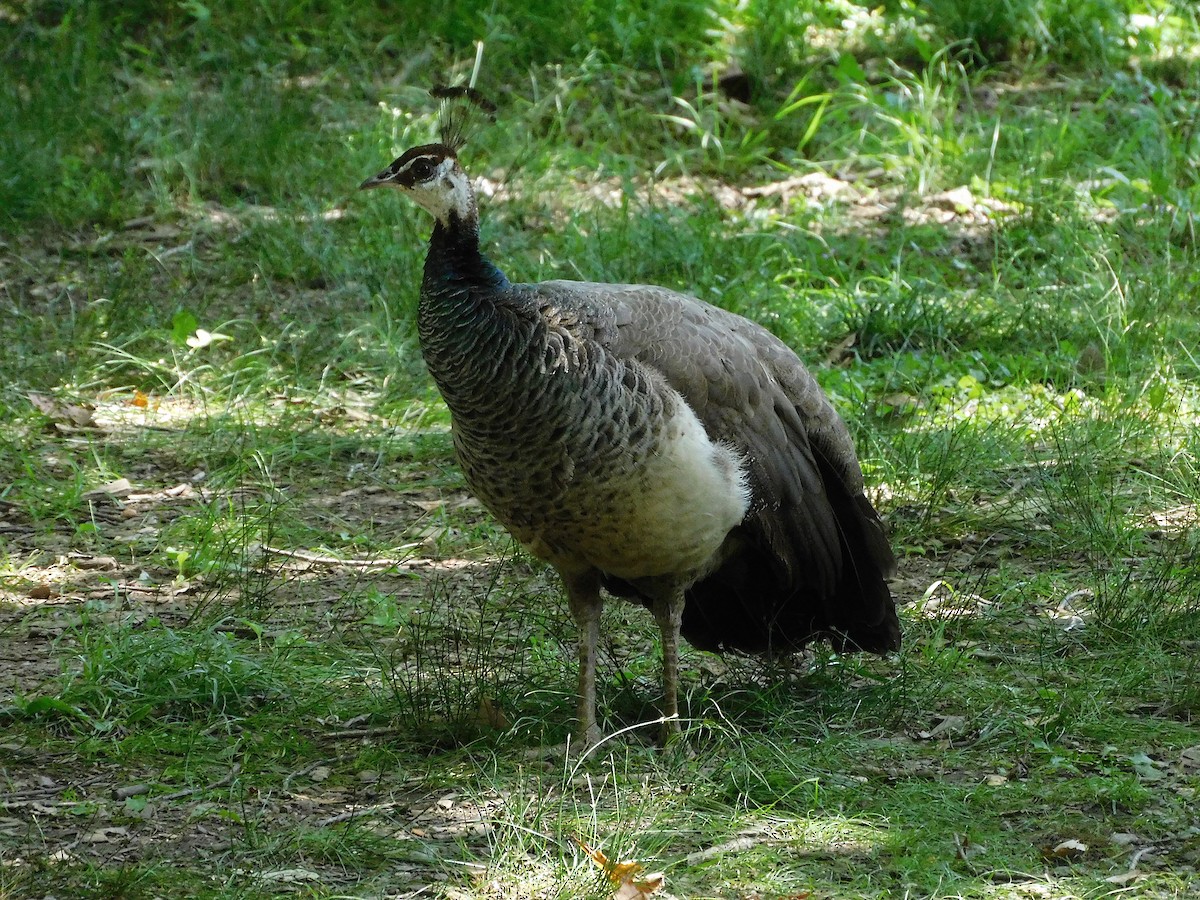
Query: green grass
(295,652)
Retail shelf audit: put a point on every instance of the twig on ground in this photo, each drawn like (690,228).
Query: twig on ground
(187,792)
(320,560)
(357,813)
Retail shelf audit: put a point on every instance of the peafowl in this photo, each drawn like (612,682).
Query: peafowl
(649,444)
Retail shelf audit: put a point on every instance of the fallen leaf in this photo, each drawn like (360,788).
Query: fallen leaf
(1068,849)
(65,416)
(491,715)
(117,488)
(104,835)
(842,351)
(81,416)
(1125,878)
(428,505)
(958,200)
(94,563)
(948,727)
(43,404)
(966,848)
(1145,768)
(636,890)
(898,403)
(461,501)
(1190,758)
(628,876)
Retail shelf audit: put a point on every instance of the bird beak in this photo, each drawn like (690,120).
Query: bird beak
(379,180)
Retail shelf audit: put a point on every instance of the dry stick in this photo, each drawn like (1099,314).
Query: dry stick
(317,559)
(187,792)
(373,731)
(356,813)
(300,773)
(36,793)
(131,790)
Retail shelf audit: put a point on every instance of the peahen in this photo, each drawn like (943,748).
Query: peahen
(645,442)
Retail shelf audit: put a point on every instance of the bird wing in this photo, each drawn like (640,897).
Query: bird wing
(753,393)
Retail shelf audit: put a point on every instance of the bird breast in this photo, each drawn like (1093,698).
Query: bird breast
(607,467)
(667,514)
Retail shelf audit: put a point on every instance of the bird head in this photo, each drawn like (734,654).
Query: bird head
(431,176)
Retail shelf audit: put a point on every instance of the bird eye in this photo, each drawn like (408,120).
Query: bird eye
(422,170)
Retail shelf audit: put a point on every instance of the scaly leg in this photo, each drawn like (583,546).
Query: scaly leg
(668,612)
(583,596)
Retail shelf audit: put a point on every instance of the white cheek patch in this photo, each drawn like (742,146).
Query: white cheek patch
(449,191)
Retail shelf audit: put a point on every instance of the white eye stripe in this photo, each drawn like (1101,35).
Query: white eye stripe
(429,160)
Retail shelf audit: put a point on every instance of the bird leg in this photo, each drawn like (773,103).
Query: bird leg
(668,612)
(583,596)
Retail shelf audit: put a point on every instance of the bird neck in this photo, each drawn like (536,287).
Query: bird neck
(463,332)
(455,264)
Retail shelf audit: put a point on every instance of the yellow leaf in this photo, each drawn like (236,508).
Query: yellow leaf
(627,876)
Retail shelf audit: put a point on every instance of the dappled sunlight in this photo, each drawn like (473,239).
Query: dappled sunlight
(838,203)
(257,638)
(1178,520)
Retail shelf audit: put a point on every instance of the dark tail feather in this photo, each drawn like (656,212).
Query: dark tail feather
(743,607)
(757,602)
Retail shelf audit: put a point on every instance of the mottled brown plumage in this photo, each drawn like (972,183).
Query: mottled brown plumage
(643,440)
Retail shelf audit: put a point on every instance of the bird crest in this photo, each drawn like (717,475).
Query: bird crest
(459,113)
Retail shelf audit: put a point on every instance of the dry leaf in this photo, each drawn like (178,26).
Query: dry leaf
(289,876)
(491,715)
(43,404)
(627,876)
(1125,877)
(1145,767)
(636,890)
(966,848)
(427,505)
(64,416)
(95,563)
(105,835)
(1190,758)
(118,488)
(843,350)
(949,726)
(1068,849)
(898,403)
(460,501)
